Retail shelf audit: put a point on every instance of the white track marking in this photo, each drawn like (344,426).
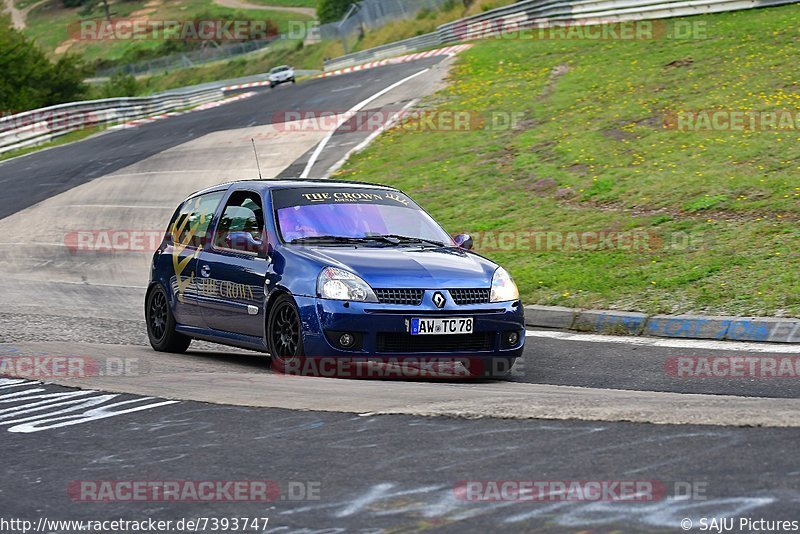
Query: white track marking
(366,142)
(346,116)
(121,206)
(151,173)
(738,346)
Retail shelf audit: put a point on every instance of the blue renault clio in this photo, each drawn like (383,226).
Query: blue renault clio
(334,270)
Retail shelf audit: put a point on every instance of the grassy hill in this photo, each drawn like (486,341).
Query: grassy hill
(591,153)
(49,23)
(311,57)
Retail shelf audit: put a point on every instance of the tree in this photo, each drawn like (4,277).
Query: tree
(332,10)
(90,5)
(28,80)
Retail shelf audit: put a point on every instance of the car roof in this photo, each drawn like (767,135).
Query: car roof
(271,185)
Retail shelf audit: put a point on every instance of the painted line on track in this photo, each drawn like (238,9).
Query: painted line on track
(348,115)
(366,142)
(738,346)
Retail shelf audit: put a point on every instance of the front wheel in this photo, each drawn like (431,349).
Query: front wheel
(284,334)
(161,324)
(294,81)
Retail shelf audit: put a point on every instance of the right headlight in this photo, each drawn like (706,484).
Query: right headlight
(338,284)
(503,287)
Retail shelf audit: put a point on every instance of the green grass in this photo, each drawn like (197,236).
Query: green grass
(310,57)
(287,3)
(62,140)
(426,21)
(289,53)
(49,24)
(591,153)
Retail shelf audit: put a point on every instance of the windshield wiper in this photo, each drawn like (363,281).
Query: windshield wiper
(396,239)
(391,239)
(326,239)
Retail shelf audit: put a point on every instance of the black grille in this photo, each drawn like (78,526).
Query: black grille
(408,297)
(464,297)
(402,342)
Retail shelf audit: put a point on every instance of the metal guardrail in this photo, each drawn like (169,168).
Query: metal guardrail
(38,126)
(420,42)
(42,125)
(540,13)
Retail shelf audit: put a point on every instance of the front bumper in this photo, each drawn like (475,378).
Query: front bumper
(382,331)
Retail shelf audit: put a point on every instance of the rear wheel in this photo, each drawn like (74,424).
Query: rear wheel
(161,324)
(284,334)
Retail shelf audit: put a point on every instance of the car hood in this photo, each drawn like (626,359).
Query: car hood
(408,267)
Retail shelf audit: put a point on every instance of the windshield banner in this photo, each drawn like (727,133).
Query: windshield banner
(285,198)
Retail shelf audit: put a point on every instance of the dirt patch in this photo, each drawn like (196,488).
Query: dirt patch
(64,47)
(243,4)
(557,72)
(622,132)
(685,62)
(149,8)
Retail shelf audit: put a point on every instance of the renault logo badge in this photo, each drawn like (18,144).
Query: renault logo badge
(439,300)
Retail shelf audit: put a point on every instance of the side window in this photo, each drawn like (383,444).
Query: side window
(241,226)
(190,225)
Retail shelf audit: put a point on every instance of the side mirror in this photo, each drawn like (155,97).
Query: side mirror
(464,241)
(243,241)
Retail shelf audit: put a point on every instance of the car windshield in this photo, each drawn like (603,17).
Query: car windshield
(279,69)
(335,216)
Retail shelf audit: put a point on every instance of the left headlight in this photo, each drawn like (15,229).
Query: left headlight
(338,284)
(503,287)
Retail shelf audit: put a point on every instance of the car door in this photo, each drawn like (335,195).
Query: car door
(233,268)
(188,232)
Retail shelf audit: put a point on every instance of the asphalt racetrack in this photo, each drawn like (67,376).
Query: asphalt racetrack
(346,455)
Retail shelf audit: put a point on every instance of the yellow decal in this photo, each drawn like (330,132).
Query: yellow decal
(182,239)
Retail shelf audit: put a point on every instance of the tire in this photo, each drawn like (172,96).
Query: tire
(272,86)
(284,334)
(161,324)
(294,81)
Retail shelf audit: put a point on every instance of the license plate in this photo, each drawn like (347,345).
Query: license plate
(421,326)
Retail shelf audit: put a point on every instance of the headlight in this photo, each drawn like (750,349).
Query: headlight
(503,287)
(338,284)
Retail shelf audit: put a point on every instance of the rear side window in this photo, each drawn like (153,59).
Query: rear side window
(190,225)
(243,214)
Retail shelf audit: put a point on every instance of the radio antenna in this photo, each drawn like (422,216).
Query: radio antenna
(252,140)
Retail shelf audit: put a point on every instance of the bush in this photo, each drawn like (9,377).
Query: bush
(332,10)
(120,85)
